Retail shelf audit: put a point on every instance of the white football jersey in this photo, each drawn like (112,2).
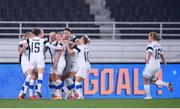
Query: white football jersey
(52,51)
(23,43)
(24,57)
(62,47)
(82,56)
(156,49)
(36,45)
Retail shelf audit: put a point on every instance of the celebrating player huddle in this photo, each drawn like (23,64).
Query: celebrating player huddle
(69,58)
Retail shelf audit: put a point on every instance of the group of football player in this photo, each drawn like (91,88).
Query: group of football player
(69,59)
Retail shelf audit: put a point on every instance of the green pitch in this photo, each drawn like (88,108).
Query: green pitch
(90,103)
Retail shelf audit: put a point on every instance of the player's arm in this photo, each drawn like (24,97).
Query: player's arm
(72,48)
(22,49)
(69,49)
(46,43)
(56,60)
(75,49)
(163,59)
(148,57)
(149,51)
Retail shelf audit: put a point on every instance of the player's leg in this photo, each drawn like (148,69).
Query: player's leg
(80,76)
(60,83)
(78,84)
(21,94)
(70,77)
(31,85)
(52,84)
(27,80)
(40,67)
(70,82)
(25,67)
(146,78)
(40,80)
(157,82)
(147,88)
(36,82)
(57,87)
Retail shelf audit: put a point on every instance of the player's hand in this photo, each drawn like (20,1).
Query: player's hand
(54,67)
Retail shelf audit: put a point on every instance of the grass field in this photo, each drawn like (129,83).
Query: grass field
(90,103)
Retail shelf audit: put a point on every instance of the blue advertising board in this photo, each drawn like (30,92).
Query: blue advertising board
(104,81)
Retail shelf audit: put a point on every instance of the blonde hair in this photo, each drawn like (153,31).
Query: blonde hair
(86,39)
(53,33)
(155,36)
(28,35)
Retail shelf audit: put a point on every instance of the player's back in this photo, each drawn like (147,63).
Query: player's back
(156,51)
(83,55)
(36,46)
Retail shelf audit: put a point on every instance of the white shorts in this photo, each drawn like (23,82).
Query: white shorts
(37,61)
(24,64)
(151,72)
(82,72)
(72,67)
(60,67)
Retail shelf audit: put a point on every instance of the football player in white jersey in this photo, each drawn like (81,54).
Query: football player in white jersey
(71,68)
(59,64)
(52,40)
(152,68)
(82,52)
(25,66)
(36,58)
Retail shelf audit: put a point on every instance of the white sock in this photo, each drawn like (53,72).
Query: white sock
(70,85)
(58,83)
(147,90)
(28,77)
(161,83)
(79,89)
(40,79)
(22,89)
(63,86)
(36,87)
(31,86)
(51,85)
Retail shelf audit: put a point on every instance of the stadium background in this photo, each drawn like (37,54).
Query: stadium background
(118,29)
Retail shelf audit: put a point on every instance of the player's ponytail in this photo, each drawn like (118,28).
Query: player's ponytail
(86,39)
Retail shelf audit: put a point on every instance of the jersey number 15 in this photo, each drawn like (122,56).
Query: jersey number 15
(35,47)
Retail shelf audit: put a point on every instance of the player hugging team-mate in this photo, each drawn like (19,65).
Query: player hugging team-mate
(153,54)
(81,51)
(69,58)
(23,51)
(56,77)
(35,46)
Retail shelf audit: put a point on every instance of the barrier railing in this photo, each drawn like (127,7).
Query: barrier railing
(110,30)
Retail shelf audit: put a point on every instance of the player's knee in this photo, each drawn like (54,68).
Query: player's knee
(33,77)
(145,81)
(153,81)
(51,78)
(79,79)
(63,77)
(56,77)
